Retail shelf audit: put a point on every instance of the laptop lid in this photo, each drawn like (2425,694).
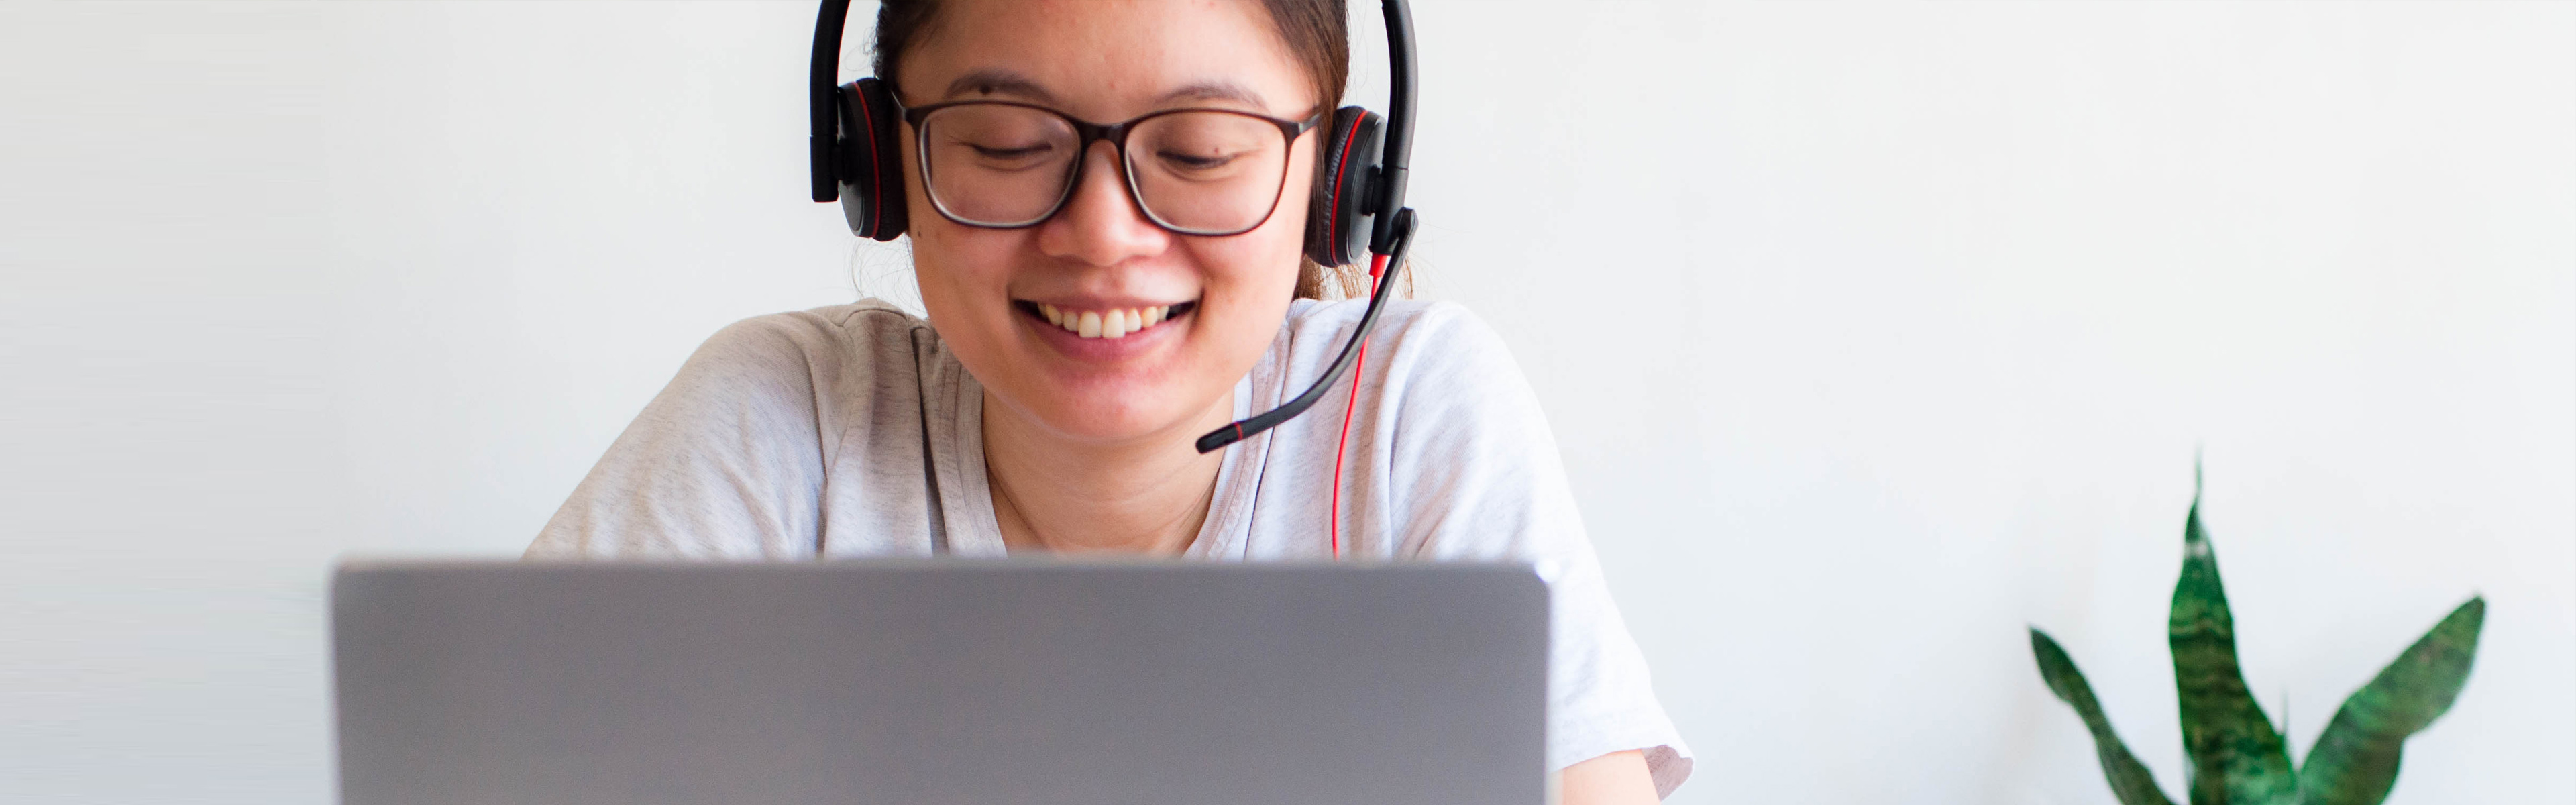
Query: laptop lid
(924,681)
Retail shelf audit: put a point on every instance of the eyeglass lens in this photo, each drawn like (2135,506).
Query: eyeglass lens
(1198,172)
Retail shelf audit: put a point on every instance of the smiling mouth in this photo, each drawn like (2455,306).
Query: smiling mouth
(1110,323)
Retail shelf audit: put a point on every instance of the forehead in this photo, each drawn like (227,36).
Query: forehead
(1107,59)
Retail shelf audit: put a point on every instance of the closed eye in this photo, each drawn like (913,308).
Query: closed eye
(1194,161)
(1022,152)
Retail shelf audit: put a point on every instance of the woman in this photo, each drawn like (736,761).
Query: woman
(1049,402)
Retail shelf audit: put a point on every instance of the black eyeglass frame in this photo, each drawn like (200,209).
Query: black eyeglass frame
(1086,133)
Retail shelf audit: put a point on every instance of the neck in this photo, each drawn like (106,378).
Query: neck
(1147,495)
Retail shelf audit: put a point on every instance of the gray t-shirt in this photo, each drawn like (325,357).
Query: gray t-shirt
(851,431)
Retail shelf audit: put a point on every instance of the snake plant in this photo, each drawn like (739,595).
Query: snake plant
(2236,757)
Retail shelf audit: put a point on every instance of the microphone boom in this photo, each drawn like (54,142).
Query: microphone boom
(1239,431)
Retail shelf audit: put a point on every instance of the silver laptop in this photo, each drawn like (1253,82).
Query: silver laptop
(964,682)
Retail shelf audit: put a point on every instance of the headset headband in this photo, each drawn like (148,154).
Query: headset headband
(1398,153)
(826,77)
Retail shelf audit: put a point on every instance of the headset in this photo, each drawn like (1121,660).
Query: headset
(1358,198)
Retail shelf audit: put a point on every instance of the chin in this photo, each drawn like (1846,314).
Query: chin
(1122,415)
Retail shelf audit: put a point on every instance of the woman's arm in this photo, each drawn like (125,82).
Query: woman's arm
(1481,479)
(1618,778)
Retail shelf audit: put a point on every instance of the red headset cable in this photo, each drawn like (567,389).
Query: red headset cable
(1359,369)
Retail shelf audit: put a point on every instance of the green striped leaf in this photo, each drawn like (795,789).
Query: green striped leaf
(2129,778)
(2236,758)
(2355,760)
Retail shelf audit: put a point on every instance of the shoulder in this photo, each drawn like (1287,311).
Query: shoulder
(1424,323)
(1427,360)
(732,457)
(795,371)
(835,333)
(1452,429)
(1415,342)
(808,349)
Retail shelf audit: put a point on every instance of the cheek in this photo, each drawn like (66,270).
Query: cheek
(1253,276)
(959,268)
(1265,261)
(945,269)
(941,258)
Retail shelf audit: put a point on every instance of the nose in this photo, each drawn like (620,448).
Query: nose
(1100,225)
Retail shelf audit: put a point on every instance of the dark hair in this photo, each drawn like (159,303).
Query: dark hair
(1316,32)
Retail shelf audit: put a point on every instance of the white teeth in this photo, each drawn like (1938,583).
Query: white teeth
(1117,323)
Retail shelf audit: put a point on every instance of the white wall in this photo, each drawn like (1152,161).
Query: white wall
(1871,334)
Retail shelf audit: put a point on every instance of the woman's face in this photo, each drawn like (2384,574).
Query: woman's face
(989,291)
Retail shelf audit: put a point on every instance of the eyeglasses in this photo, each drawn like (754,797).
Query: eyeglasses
(1006,165)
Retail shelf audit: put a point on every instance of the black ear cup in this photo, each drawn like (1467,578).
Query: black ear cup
(868,162)
(1337,219)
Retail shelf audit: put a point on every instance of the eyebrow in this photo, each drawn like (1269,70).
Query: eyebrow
(1215,91)
(1007,82)
(1001,81)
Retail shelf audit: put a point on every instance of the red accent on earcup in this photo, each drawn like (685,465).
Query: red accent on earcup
(1336,222)
(870,163)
